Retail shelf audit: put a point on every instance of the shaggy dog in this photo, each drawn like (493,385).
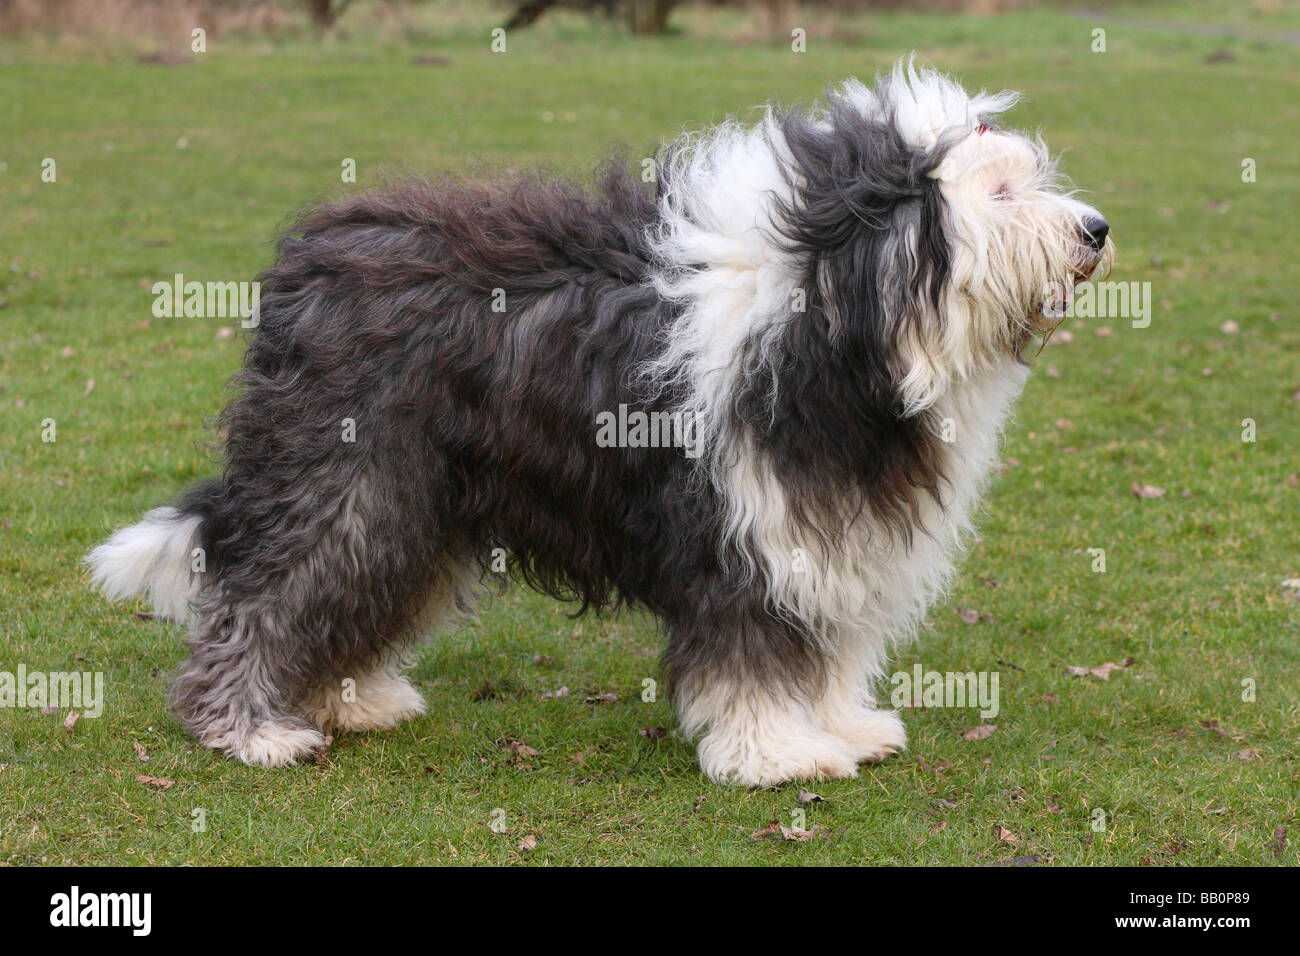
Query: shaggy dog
(759,398)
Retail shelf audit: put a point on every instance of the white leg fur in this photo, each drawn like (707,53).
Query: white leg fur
(755,741)
(274,743)
(848,712)
(380,700)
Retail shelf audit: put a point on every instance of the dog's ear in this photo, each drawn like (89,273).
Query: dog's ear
(866,220)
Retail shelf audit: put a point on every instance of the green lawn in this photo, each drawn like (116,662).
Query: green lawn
(192,169)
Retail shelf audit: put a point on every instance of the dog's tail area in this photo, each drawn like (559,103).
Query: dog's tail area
(155,558)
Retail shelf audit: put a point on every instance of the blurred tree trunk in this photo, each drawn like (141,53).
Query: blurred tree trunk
(324,13)
(649,16)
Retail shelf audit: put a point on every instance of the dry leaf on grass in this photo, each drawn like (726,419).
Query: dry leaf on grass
(1147,491)
(1101,671)
(155,782)
(520,750)
(1214,726)
(653,733)
(777,830)
(140,751)
(528,844)
(600,699)
(321,753)
(937,768)
(805,797)
(1003,835)
(70,721)
(979,732)
(1248,754)
(1032,859)
(1278,845)
(556,694)
(699,801)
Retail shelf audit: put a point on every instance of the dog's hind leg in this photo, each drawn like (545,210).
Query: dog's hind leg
(234,693)
(307,591)
(382,696)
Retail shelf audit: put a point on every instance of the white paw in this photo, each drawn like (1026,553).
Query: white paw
(382,702)
(810,756)
(870,734)
(276,743)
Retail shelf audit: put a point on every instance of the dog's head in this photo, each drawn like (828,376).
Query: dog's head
(942,237)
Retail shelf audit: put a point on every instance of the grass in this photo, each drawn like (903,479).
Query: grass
(192,169)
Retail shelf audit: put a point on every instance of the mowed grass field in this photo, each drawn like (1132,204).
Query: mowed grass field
(193,168)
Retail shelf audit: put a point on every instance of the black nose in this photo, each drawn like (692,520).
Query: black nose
(1096,229)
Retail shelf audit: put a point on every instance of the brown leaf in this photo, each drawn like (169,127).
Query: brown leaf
(156,782)
(140,751)
(932,768)
(90,387)
(653,733)
(699,801)
(1248,754)
(805,797)
(777,830)
(1279,841)
(517,747)
(556,694)
(939,827)
(979,732)
(70,721)
(1147,491)
(970,615)
(601,699)
(1101,671)
(1032,859)
(320,753)
(528,844)
(1003,835)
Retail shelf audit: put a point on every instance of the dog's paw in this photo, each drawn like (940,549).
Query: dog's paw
(808,757)
(870,734)
(279,742)
(382,702)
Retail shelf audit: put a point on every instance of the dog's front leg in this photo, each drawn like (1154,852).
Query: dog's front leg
(748,687)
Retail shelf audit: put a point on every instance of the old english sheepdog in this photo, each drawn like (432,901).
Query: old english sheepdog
(759,396)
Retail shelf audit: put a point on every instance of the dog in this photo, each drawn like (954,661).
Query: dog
(759,396)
